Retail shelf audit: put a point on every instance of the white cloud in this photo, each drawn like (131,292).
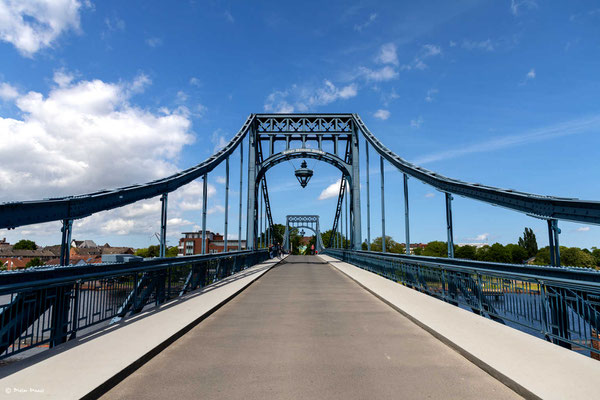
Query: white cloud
(303,98)
(220,180)
(195,81)
(35,24)
(114,24)
(154,42)
(229,17)
(531,74)
(382,114)
(429,195)
(430,50)
(517,5)
(84,136)
(430,95)
(218,140)
(385,73)
(416,123)
(8,92)
(330,191)
(427,51)
(387,54)
(452,43)
(550,132)
(369,21)
(189,197)
(583,229)
(484,237)
(486,45)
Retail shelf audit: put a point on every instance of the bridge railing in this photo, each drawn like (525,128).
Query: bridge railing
(43,307)
(561,305)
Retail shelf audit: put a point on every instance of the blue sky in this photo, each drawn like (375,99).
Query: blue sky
(102,94)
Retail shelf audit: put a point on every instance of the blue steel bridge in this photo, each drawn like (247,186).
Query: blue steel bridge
(52,306)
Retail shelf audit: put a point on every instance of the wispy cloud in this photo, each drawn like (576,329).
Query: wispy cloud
(550,132)
(416,123)
(154,42)
(583,229)
(387,54)
(369,21)
(531,74)
(429,195)
(517,5)
(229,17)
(486,45)
(483,237)
(430,95)
(303,98)
(382,114)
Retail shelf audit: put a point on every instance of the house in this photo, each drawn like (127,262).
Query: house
(4,243)
(42,254)
(83,244)
(10,264)
(191,243)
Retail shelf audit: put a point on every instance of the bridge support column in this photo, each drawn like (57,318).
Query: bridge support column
(65,244)
(225,247)
(163,225)
(355,197)
(204,201)
(382,204)
(449,227)
(241,186)
(553,232)
(368,199)
(252,191)
(406,219)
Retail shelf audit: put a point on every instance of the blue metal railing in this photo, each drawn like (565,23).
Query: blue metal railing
(561,305)
(47,306)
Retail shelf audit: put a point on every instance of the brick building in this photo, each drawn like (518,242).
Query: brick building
(191,243)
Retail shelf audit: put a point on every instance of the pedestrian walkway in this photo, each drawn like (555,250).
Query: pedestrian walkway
(304,330)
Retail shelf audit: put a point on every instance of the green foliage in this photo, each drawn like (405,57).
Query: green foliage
(391,246)
(25,245)
(172,251)
(418,251)
(150,251)
(518,254)
(466,252)
(596,255)
(34,262)
(436,249)
(569,257)
(528,242)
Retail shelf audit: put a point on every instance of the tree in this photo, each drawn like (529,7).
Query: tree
(34,262)
(150,251)
(466,252)
(25,245)
(517,253)
(172,251)
(528,242)
(436,249)
(391,246)
(596,255)
(575,257)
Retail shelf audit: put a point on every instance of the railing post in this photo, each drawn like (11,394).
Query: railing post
(204,201)
(163,225)
(449,225)
(65,244)
(368,200)
(225,245)
(382,204)
(406,219)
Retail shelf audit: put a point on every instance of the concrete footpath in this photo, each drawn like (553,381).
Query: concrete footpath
(305,330)
(84,366)
(531,366)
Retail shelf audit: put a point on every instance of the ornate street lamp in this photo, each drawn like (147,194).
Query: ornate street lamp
(303,174)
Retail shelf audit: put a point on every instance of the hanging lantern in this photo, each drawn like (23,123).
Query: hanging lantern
(303,174)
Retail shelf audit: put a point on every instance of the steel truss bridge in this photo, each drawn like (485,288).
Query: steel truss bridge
(50,305)
(303,221)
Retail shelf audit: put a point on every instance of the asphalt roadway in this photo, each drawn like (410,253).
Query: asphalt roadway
(304,330)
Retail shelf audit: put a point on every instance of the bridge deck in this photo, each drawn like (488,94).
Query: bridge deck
(305,330)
